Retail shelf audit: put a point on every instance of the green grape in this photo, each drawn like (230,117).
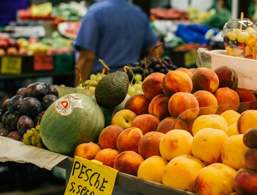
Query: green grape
(138,78)
(93,77)
(131,91)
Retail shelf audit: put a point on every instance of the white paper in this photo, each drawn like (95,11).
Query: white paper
(14,151)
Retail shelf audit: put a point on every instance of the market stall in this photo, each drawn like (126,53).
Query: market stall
(149,128)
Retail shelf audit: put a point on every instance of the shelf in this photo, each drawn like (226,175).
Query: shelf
(35,75)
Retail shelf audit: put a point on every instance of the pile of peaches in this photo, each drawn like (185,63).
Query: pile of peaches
(189,131)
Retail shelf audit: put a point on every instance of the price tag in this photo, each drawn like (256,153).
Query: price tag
(190,58)
(43,63)
(11,65)
(89,178)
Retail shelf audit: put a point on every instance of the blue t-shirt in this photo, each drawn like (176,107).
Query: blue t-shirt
(117,32)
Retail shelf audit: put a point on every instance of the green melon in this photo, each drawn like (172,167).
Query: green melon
(71,120)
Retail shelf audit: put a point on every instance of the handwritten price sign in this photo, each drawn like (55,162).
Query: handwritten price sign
(89,178)
(11,65)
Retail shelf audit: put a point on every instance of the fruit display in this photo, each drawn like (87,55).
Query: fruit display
(55,44)
(23,112)
(240,38)
(186,131)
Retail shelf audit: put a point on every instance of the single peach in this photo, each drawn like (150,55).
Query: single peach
(138,104)
(108,136)
(183,105)
(152,85)
(247,99)
(149,144)
(128,162)
(251,159)
(175,143)
(181,172)
(228,99)
(146,122)
(247,121)
(129,139)
(205,79)
(87,150)
(159,106)
(207,102)
(107,156)
(245,182)
(152,169)
(171,123)
(233,152)
(177,81)
(227,77)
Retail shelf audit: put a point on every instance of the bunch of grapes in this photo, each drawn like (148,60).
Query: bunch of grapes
(90,85)
(136,86)
(148,66)
(32,137)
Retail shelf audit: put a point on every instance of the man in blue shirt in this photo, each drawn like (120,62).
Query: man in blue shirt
(115,31)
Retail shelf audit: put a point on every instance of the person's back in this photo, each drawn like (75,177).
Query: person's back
(118,33)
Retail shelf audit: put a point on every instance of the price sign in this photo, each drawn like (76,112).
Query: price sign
(43,63)
(190,58)
(89,178)
(11,65)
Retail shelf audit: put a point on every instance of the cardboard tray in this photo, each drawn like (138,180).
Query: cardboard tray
(14,151)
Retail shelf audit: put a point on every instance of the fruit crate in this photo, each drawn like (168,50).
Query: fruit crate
(64,63)
(124,184)
(245,68)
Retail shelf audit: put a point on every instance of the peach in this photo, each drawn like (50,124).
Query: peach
(233,152)
(247,99)
(227,77)
(228,99)
(171,123)
(231,116)
(215,179)
(87,150)
(251,159)
(138,104)
(146,122)
(245,182)
(205,79)
(107,156)
(207,102)
(183,105)
(149,144)
(128,162)
(152,169)
(108,136)
(175,143)
(159,106)
(181,172)
(209,121)
(177,81)
(129,139)
(250,138)
(187,71)
(247,121)
(152,85)
(123,118)
(207,145)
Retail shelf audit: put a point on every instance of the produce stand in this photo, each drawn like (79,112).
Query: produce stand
(125,184)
